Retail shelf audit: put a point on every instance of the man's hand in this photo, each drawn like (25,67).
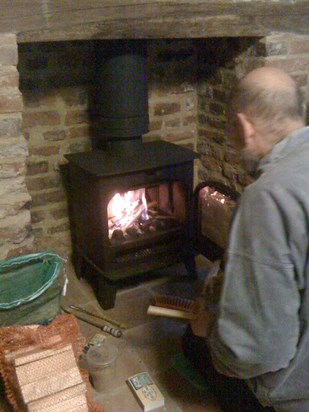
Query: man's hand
(209,297)
(204,320)
(212,288)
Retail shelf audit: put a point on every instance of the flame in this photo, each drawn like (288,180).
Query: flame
(123,208)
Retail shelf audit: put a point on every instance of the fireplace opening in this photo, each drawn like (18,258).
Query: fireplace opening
(150,211)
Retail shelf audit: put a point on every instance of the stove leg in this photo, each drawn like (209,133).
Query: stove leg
(190,266)
(79,264)
(189,261)
(106,293)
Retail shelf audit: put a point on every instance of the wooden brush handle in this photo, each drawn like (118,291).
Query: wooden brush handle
(170,313)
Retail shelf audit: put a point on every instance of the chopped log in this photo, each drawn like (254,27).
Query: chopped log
(76,403)
(36,355)
(48,374)
(45,366)
(135,217)
(40,405)
(51,385)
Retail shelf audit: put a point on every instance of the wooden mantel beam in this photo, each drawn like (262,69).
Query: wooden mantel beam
(58,20)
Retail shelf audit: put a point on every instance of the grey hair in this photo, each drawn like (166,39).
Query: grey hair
(271,105)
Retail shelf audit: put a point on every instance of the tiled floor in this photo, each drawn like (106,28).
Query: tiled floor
(148,344)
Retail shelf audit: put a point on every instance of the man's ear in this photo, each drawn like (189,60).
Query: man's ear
(246,126)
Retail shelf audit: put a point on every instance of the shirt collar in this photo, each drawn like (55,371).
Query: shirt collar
(282,148)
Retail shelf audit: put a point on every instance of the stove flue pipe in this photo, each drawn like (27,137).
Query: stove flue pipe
(119,109)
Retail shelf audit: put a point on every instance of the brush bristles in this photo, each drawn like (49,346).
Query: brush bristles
(174,302)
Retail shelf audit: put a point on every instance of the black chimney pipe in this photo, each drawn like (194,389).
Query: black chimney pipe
(119,110)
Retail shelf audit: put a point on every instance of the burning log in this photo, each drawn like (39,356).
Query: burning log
(165,217)
(134,218)
(137,212)
(118,234)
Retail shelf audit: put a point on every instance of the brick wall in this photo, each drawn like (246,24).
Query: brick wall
(223,62)
(15,222)
(172,67)
(189,81)
(55,79)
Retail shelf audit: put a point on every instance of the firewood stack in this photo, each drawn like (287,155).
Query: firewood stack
(39,368)
(49,380)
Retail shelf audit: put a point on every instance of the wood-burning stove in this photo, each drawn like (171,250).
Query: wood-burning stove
(163,172)
(157,178)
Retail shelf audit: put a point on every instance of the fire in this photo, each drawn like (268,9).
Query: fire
(125,208)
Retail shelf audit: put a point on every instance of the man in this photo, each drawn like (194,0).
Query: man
(260,332)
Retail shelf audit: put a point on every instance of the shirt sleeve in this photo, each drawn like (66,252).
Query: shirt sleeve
(257,328)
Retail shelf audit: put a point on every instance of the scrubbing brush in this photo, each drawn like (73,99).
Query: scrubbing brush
(172,307)
(176,307)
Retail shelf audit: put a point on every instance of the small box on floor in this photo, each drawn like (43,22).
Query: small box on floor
(146,391)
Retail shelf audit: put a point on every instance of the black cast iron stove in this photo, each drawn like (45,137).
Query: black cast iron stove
(130,202)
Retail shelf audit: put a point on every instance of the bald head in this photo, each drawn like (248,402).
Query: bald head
(270,96)
(270,78)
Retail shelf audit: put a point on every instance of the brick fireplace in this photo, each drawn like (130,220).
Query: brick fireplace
(44,89)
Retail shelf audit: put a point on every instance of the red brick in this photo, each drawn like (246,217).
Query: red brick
(212,134)
(59,213)
(35,168)
(37,233)
(212,121)
(37,216)
(78,147)
(38,98)
(179,135)
(203,148)
(78,131)
(231,156)
(47,198)
(45,118)
(162,109)
(216,108)
(229,172)
(155,125)
(211,164)
(59,229)
(45,151)
(76,117)
(54,135)
(216,151)
(42,183)
(172,123)
(22,250)
(188,120)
